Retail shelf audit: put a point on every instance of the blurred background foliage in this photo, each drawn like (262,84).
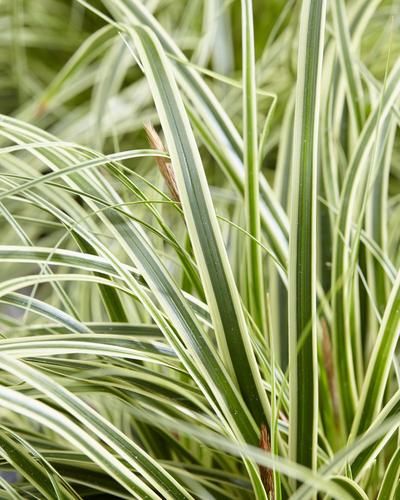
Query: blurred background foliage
(38,38)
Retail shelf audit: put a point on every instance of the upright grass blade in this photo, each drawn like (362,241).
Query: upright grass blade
(220,289)
(255,281)
(278,290)
(353,194)
(377,228)
(351,74)
(379,364)
(303,369)
(391,479)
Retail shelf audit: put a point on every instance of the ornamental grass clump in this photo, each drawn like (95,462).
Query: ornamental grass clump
(200,286)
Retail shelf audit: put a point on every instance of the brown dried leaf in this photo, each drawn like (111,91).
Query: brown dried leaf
(163,164)
(266,474)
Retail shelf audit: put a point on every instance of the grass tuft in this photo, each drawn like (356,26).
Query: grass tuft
(206,306)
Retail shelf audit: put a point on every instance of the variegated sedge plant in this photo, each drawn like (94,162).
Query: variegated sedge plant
(200,287)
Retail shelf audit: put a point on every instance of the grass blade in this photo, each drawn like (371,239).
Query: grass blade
(379,364)
(391,479)
(220,289)
(250,138)
(303,375)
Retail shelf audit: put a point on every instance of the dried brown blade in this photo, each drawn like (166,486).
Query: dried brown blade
(163,164)
(267,476)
